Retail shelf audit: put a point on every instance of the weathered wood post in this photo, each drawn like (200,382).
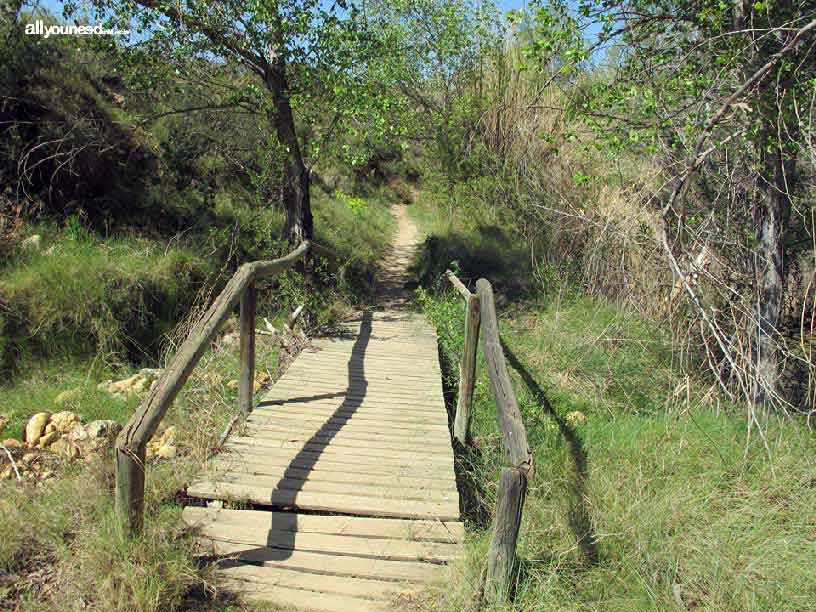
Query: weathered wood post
(246,378)
(513,483)
(131,443)
(467,366)
(467,371)
(501,559)
(130,484)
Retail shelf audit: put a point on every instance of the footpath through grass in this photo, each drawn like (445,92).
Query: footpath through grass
(647,492)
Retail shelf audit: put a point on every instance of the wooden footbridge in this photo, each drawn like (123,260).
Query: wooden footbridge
(353,442)
(341,493)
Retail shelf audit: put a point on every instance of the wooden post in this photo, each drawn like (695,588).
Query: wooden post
(508,414)
(501,560)
(246,378)
(467,371)
(129,494)
(132,440)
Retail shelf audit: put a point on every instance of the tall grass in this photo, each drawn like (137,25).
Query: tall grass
(655,498)
(79,293)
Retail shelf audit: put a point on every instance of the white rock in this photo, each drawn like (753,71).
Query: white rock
(32,243)
(64,421)
(47,439)
(78,433)
(35,427)
(102,429)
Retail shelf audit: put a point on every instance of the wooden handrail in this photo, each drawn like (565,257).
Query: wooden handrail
(514,434)
(458,285)
(481,312)
(512,491)
(467,365)
(132,442)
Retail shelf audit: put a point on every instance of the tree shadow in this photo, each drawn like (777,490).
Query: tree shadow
(280,539)
(487,252)
(579,517)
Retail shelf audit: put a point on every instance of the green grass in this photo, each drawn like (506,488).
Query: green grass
(44,381)
(70,325)
(67,525)
(481,246)
(659,495)
(81,294)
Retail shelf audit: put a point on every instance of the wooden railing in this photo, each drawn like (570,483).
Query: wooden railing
(132,442)
(512,491)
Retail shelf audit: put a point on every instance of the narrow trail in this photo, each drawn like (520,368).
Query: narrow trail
(347,464)
(394,272)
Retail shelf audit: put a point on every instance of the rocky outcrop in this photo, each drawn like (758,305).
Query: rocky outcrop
(163,445)
(137,384)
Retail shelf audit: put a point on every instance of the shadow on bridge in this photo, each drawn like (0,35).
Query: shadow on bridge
(280,542)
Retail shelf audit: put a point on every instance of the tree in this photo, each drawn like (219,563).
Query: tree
(714,93)
(441,47)
(301,54)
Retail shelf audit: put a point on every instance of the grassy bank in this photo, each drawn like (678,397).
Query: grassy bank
(82,308)
(647,493)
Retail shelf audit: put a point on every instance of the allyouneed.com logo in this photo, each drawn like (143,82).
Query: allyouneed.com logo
(38,28)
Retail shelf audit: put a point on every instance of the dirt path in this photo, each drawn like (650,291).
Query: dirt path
(394,273)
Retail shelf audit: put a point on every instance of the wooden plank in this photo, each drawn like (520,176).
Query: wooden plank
(306,376)
(379,355)
(254,582)
(344,438)
(364,415)
(433,531)
(286,420)
(328,502)
(270,463)
(419,339)
(359,390)
(377,338)
(241,443)
(333,360)
(358,374)
(360,413)
(287,599)
(397,490)
(339,439)
(337,400)
(330,565)
(349,430)
(374,548)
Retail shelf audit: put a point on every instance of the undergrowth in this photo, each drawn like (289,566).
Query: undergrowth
(647,493)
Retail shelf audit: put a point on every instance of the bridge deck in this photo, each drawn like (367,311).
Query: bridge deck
(350,451)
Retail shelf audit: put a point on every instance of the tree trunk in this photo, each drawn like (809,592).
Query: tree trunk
(770,220)
(296,176)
